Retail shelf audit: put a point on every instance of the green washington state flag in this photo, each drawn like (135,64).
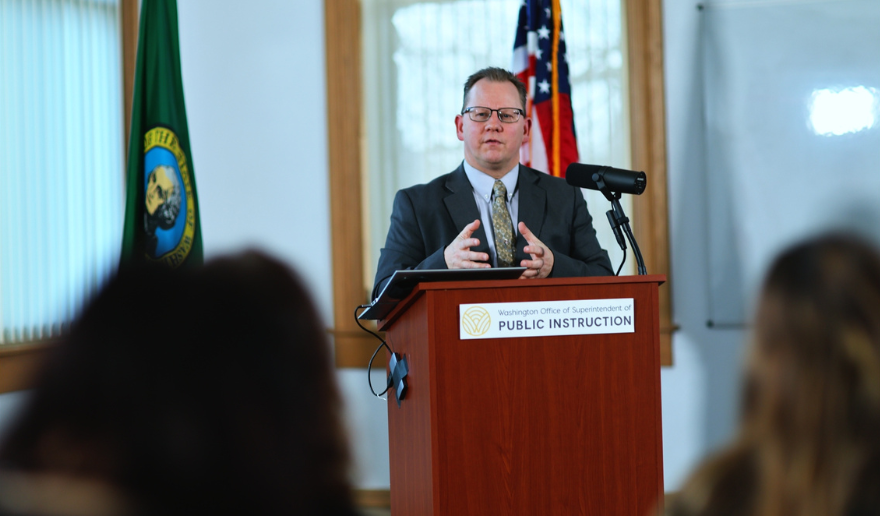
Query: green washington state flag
(161,206)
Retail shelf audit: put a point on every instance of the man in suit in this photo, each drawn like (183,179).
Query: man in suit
(467,219)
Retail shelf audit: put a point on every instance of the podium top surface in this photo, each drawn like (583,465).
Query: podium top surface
(421,288)
(402,283)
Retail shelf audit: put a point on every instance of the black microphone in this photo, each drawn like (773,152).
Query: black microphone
(616,179)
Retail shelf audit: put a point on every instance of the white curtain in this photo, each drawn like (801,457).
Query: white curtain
(61,161)
(417,55)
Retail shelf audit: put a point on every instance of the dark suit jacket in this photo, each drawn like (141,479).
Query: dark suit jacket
(427,218)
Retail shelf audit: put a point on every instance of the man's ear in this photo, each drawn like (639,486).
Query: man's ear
(527,130)
(459,127)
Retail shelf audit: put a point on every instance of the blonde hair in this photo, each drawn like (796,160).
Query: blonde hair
(809,435)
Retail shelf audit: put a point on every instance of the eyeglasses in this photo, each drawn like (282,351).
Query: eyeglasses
(508,115)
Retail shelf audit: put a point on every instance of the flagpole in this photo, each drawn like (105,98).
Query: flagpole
(554,78)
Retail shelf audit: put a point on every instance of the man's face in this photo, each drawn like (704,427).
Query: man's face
(492,146)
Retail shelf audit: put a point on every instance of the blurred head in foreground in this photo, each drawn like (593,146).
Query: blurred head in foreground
(809,437)
(201,391)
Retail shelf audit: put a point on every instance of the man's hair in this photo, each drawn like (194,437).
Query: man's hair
(494,74)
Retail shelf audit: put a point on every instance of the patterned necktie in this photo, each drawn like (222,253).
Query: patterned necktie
(502,226)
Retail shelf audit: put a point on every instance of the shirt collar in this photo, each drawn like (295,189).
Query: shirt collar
(483,183)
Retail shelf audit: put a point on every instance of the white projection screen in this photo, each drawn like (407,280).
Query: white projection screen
(791,96)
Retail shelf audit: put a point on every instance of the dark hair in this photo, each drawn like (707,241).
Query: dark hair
(494,74)
(807,443)
(201,391)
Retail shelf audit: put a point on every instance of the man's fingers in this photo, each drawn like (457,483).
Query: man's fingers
(541,264)
(470,260)
(526,232)
(468,243)
(477,257)
(472,264)
(532,264)
(535,250)
(529,273)
(469,229)
(458,254)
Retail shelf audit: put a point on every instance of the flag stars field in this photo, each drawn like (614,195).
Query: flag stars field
(541,62)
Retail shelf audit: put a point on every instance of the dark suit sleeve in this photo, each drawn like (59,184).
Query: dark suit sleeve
(405,247)
(585,257)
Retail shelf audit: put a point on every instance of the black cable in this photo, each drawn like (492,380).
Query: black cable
(370,364)
(621,262)
(640,262)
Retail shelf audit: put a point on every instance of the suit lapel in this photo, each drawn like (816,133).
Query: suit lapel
(462,207)
(532,201)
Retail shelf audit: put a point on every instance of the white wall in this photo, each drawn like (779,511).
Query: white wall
(773,82)
(701,391)
(255,86)
(253,77)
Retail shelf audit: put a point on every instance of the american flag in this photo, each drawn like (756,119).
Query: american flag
(539,60)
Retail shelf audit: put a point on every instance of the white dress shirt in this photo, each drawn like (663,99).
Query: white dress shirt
(483,185)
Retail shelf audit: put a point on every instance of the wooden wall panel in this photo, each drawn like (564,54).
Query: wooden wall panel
(342,22)
(18,364)
(648,142)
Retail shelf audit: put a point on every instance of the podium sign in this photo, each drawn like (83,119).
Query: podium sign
(545,318)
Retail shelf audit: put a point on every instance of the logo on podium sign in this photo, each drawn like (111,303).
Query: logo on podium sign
(475,321)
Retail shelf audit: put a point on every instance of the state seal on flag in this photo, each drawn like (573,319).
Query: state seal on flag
(169,208)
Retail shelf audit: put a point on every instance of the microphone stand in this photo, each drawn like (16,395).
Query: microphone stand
(618,219)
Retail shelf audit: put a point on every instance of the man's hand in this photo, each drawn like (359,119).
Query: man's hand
(458,254)
(541,263)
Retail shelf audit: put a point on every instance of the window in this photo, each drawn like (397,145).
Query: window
(417,55)
(61,160)
(345,38)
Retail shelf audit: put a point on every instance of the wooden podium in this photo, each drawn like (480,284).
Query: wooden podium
(558,425)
